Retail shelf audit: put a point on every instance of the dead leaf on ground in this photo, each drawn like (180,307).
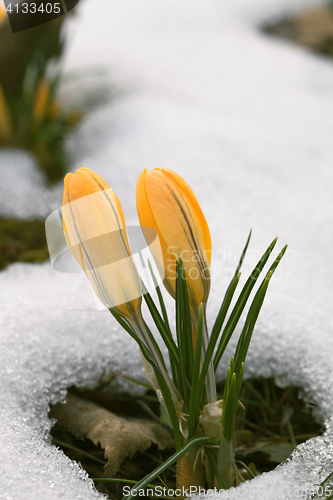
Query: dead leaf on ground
(119,437)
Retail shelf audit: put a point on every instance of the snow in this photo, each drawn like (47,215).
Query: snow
(24,193)
(247,121)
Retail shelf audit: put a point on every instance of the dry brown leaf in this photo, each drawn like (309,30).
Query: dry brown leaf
(119,437)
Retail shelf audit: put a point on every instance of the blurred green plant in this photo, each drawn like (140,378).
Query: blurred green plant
(22,241)
(30,114)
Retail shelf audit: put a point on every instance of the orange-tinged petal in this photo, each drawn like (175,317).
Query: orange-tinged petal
(197,212)
(95,230)
(167,203)
(3,13)
(147,220)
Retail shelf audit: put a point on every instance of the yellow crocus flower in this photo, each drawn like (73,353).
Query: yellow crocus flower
(94,227)
(167,203)
(95,231)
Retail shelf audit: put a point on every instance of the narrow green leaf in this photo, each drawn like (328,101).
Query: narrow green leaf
(160,325)
(240,304)
(230,409)
(215,333)
(152,339)
(194,402)
(192,443)
(186,321)
(254,391)
(239,379)
(160,298)
(243,254)
(252,316)
(166,396)
(217,473)
(118,480)
(229,294)
(160,379)
(183,382)
(210,382)
(123,324)
(223,310)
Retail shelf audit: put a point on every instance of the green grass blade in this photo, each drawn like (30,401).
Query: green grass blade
(225,400)
(160,325)
(217,473)
(123,324)
(224,309)
(230,406)
(210,376)
(240,304)
(277,260)
(160,297)
(183,382)
(252,316)
(165,385)
(166,396)
(246,335)
(192,443)
(243,254)
(186,321)
(240,379)
(215,333)
(194,402)
(229,295)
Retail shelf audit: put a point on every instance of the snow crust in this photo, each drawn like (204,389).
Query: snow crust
(24,193)
(247,121)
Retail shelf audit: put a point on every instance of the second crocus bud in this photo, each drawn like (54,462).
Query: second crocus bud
(167,203)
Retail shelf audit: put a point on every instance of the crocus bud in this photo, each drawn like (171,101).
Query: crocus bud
(167,203)
(94,227)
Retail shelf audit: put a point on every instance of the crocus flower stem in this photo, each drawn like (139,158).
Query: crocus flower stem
(210,377)
(139,327)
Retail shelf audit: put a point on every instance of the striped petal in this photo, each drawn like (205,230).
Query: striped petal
(167,203)
(94,227)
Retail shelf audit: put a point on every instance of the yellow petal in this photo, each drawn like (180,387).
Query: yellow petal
(167,203)
(3,13)
(147,220)
(95,230)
